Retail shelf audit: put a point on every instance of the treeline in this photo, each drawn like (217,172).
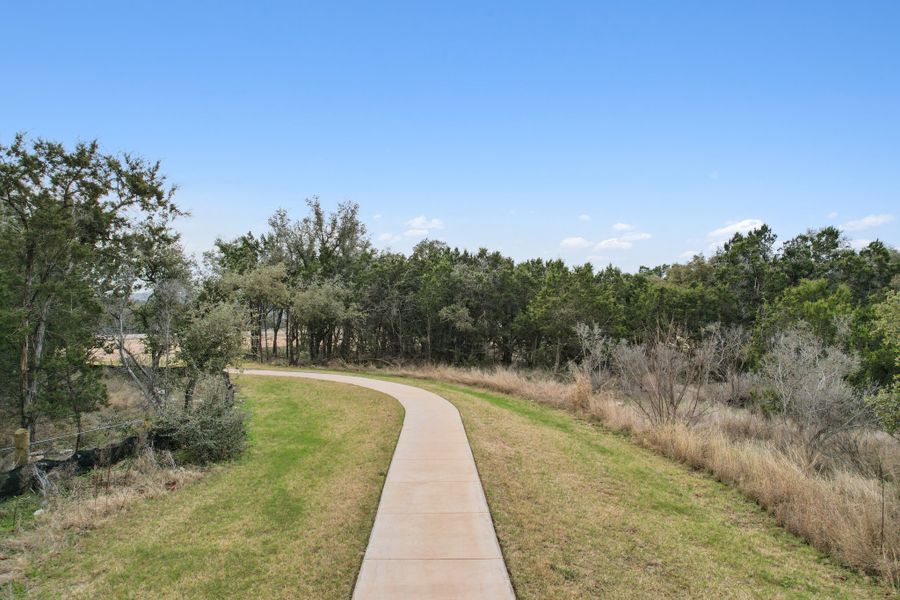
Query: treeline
(318,284)
(91,268)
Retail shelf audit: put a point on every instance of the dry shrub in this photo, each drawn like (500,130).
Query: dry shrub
(580,396)
(87,502)
(836,510)
(612,413)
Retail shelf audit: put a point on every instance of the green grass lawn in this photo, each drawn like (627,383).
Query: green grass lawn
(288,520)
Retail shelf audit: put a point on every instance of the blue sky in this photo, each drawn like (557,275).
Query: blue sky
(627,132)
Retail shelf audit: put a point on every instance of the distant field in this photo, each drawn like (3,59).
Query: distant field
(289,520)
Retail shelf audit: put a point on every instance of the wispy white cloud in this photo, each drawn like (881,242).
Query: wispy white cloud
(867,222)
(377,216)
(421,226)
(623,227)
(388,237)
(422,222)
(614,244)
(575,242)
(734,227)
(832,215)
(718,237)
(598,259)
(859,244)
(584,217)
(688,254)
(622,242)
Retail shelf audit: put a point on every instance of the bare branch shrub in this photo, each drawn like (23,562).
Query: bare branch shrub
(666,376)
(45,486)
(729,364)
(595,355)
(813,398)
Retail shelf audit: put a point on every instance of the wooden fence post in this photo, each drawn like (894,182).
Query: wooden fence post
(22,447)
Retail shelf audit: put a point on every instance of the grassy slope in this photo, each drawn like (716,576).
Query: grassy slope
(289,520)
(582,513)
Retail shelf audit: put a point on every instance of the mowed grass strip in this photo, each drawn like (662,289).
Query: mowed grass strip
(290,519)
(581,512)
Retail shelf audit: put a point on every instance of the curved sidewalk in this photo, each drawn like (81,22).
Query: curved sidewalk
(433,537)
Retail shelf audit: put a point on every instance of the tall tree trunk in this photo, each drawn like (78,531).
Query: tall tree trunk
(254,333)
(25,347)
(78,434)
(347,334)
(30,362)
(265,332)
(189,392)
(288,347)
(275,329)
(259,339)
(428,337)
(229,389)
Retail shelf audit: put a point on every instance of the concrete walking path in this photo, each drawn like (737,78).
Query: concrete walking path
(433,537)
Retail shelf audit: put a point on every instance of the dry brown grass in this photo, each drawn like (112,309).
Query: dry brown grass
(125,404)
(81,504)
(839,512)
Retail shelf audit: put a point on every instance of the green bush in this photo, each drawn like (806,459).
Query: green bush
(211,431)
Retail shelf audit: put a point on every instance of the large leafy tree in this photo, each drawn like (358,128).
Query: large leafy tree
(743,274)
(143,332)
(69,219)
(209,343)
(886,403)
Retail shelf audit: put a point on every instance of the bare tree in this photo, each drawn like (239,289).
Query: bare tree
(814,400)
(729,362)
(595,355)
(666,375)
(144,336)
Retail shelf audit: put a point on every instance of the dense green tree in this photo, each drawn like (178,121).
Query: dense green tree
(260,290)
(211,342)
(744,275)
(443,304)
(886,402)
(69,220)
(826,311)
